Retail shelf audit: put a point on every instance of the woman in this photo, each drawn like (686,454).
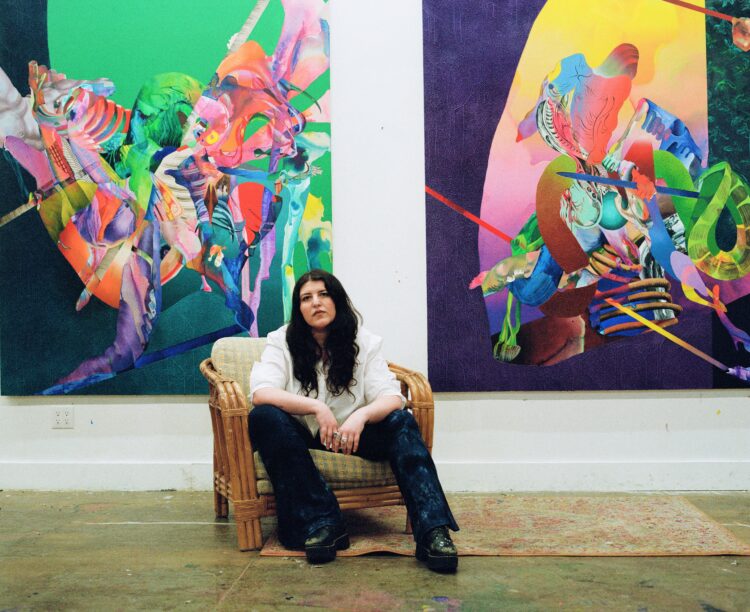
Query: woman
(323,383)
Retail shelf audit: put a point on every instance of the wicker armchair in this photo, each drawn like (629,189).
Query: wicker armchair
(239,474)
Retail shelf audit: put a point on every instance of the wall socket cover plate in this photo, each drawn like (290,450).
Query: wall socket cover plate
(63,418)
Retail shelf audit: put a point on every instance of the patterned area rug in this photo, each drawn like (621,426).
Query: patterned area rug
(543,525)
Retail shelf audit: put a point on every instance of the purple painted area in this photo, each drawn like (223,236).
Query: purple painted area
(471,50)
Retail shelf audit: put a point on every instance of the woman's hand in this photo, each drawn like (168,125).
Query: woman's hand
(348,439)
(326,423)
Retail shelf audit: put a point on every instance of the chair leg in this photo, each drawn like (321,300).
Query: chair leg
(221,505)
(249,535)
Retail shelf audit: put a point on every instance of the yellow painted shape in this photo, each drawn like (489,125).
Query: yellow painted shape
(670,39)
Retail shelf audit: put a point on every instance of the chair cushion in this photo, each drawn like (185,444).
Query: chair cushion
(234,358)
(339,471)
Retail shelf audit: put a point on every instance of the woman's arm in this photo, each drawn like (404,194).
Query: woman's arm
(287,401)
(352,427)
(382,392)
(300,405)
(380,408)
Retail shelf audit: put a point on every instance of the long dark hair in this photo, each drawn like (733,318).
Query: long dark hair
(341,346)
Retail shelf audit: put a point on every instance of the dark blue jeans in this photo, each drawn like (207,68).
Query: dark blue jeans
(305,503)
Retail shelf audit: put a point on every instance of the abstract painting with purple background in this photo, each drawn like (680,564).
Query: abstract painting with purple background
(645,93)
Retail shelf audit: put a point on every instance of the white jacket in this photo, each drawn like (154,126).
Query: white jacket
(372,378)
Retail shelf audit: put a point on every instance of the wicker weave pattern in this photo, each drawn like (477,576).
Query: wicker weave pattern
(339,471)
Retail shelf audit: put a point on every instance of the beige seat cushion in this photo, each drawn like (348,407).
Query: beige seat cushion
(339,471)
(234,358)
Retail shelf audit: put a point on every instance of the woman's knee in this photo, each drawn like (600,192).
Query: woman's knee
(266,416)
(399,420)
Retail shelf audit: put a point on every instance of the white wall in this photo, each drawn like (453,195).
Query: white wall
(489,441)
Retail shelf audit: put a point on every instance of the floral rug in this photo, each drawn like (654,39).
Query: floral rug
(550,525)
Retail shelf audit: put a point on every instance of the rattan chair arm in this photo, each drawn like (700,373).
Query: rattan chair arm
(228,400)
(418,398)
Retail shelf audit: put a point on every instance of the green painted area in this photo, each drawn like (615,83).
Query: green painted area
(674,173)
(268,30)
(255,124)
(611,218)
(528,239)
(314,92)
(728,83)
(129,42)
(194,315)
(320,185)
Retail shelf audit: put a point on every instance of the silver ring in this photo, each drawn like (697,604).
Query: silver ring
(344,439)
(336,434)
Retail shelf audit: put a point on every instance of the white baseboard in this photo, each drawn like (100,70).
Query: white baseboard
(456,476)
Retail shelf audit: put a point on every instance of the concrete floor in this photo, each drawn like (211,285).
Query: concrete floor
(163,551)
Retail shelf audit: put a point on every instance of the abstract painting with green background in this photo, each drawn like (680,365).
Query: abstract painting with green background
(175,180)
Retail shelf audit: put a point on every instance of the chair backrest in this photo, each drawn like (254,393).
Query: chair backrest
(234,358)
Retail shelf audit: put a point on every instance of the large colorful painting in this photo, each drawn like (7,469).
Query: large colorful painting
(587,197)
(166,177)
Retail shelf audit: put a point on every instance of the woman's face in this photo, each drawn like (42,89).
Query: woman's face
(316,305)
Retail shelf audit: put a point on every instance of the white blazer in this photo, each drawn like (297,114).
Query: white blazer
(372,378)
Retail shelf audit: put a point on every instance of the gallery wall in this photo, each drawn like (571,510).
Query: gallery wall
(483,441)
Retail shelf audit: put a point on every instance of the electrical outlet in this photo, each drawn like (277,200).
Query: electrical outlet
(63,418)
